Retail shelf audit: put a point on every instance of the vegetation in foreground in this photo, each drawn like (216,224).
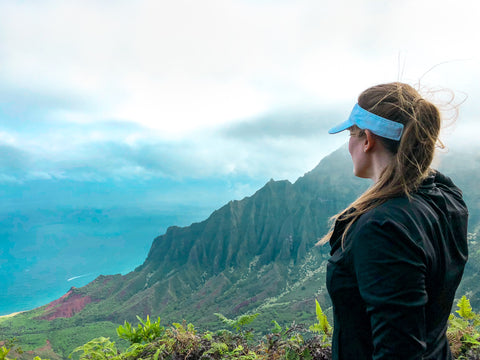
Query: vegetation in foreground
(150,340)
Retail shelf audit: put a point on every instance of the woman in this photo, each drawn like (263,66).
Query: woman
(399,250)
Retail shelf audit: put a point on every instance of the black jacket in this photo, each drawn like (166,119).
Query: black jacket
(393,284)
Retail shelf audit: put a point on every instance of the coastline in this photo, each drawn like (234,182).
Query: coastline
(11,315)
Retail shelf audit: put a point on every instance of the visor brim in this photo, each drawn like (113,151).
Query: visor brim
(341,127)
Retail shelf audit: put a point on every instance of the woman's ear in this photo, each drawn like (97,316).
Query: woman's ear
(369,142)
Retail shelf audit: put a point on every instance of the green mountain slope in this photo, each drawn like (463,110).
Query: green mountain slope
(252,255)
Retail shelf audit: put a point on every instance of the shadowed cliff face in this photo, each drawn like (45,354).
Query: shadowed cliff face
(281,221)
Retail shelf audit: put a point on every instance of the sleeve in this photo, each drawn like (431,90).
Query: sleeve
(391,268)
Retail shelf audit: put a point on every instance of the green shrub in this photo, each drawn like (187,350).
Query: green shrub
(97,349)
(464,331)
(322,326)
(239,323)
(4,352)
(146,331)
(150,340)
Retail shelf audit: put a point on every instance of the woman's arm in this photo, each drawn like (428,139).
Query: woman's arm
(391,270)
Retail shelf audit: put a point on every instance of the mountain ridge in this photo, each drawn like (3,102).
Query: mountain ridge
(257,254)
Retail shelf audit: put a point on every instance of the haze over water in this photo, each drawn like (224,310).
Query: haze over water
(49,246)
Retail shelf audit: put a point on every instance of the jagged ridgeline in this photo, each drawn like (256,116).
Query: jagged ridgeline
(252,255)
(256,254)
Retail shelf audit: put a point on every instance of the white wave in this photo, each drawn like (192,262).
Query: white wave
(79,276)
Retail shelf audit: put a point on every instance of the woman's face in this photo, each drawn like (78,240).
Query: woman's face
(361,161)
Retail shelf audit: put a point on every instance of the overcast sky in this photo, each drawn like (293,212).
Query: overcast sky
(96,89)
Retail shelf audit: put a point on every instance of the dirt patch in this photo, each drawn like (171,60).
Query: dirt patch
(65,307)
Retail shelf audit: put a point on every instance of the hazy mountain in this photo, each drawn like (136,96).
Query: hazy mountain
(252,255)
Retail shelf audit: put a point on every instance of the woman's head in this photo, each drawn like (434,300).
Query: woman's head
(414,152)
(410,126)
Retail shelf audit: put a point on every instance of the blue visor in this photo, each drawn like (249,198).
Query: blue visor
(376,124)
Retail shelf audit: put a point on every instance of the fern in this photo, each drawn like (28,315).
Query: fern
(277,329)
(145,331)
(239,323)
(322,326)
(464,331)
(97,349)
(4,352)
(465,311)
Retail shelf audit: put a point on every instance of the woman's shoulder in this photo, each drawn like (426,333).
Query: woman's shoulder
(398,218)
(441,189)
(390,209)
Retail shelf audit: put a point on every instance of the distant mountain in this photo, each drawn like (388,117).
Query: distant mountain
(253,255)
(464,168)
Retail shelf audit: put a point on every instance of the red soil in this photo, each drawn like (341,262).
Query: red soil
(66,306)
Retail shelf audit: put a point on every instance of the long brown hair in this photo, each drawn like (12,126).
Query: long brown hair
(413,154)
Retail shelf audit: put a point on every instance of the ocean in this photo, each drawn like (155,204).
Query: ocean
(55,234)
(44,253)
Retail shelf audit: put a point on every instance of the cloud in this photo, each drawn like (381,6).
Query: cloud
(281,145)
(115,150)
(94,90)
(290,124)
(34,104)
(13,159)
(178,66)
